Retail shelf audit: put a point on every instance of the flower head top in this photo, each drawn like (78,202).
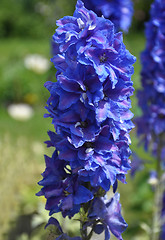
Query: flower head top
(118,11)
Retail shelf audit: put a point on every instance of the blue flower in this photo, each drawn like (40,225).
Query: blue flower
(90,110)
(101,162)
(152,95)
(118,11)
(108,214)
(113,61)
(61,187)
(72,117)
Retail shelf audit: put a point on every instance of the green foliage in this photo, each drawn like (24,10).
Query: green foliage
(31,18)
(19,84)
(20,19)
(141,14)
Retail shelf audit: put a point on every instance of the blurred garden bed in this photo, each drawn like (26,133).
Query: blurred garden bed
(21,141)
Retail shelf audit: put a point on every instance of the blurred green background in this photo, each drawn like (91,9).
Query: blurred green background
(26,28)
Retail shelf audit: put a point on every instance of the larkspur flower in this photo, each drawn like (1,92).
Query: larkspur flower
(118,11)
(151,125)
(108,215)
(61,187)
(89,106)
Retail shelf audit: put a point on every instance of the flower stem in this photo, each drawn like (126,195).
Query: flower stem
(83,229)
(83,233)
(83,220)
(156,224)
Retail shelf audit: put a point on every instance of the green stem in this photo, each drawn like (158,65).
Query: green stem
(83,230)
(83,220)
(83,233)
(156,225)
(156,214)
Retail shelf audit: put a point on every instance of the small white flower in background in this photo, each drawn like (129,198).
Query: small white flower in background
(42,8)
(20,111)
(153,179)
(37,148)
(36,63)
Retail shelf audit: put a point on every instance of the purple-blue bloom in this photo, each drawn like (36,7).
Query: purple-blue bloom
(90,109)
(61,187)
(109,215)
(101,162)
(151,125)
(118,11)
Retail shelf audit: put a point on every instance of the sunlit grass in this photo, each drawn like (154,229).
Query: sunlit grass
(21,165)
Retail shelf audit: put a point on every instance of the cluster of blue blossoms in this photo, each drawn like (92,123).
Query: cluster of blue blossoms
(118,11)
(89,106)
(151,125)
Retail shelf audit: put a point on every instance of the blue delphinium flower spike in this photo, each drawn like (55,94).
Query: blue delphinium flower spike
(151,125)
(90,110)
(151,98)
